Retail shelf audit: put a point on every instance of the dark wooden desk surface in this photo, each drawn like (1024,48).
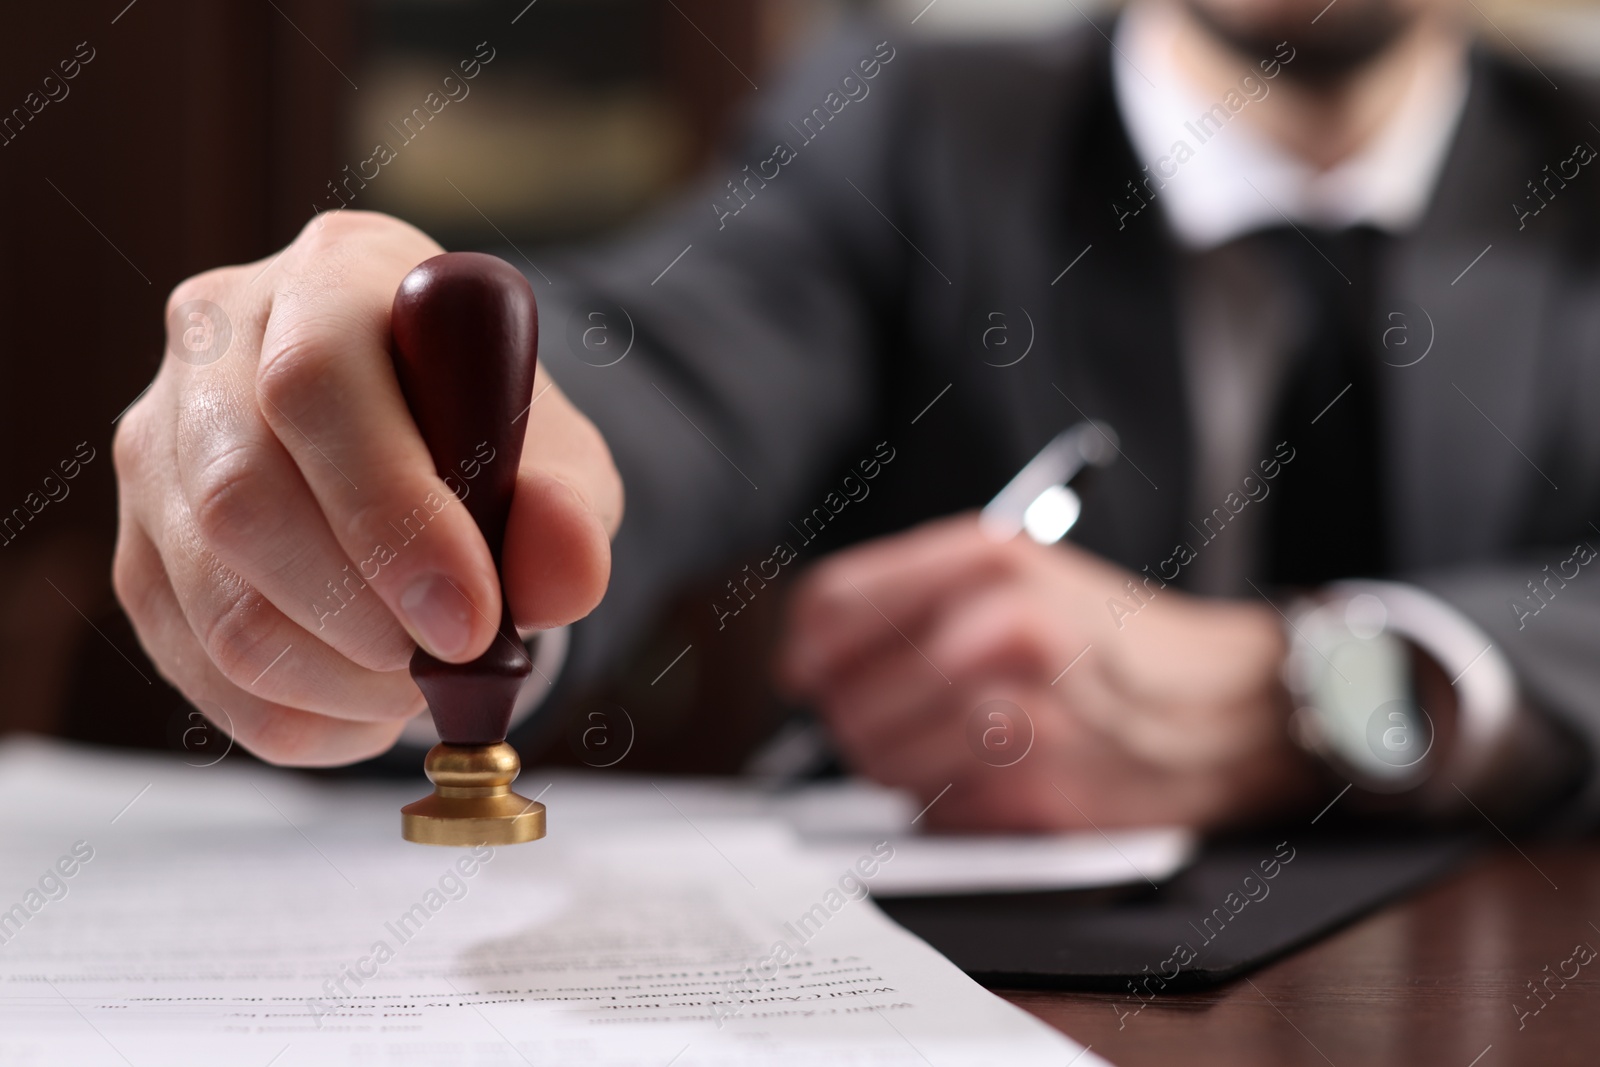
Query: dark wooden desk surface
(1434,979)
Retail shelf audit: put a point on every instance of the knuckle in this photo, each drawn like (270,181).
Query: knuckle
(294,370)
(129,441)
(213,285)
(129,581)
(123,582)
(331,235)
(332,227)
(358,625)
(204,285)
(383,530)
(234,639)
(229,500)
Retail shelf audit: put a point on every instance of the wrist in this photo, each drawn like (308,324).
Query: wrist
(1278,779)
(1262,775)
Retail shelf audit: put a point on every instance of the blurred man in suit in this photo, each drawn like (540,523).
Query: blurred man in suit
(1327,270)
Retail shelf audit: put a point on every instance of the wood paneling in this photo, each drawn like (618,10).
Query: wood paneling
(196,136)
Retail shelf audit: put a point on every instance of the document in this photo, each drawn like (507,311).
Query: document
(162,914)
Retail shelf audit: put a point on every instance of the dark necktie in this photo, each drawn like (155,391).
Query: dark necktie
(1326,512)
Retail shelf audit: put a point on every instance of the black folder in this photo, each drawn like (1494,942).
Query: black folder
(1220,918)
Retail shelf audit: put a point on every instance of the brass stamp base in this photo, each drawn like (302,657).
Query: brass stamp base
(472,802)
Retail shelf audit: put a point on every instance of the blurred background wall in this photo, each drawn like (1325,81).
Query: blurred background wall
(194,133)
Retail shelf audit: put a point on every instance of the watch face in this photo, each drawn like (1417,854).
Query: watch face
(1399,736)
(1361,693)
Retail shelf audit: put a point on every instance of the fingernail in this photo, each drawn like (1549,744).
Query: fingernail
(440,615)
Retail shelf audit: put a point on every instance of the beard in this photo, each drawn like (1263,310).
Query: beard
(1349,35)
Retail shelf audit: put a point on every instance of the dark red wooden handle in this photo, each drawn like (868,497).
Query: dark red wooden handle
(466,338)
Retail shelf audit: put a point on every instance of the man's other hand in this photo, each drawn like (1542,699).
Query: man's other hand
(1009,673)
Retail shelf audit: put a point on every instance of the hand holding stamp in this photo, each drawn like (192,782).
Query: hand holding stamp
(466,335)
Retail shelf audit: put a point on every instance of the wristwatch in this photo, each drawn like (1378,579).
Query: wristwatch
(1350,673)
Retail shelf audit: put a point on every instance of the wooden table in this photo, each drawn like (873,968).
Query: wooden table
(1439,978)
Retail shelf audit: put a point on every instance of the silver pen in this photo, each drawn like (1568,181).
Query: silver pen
(1040,501)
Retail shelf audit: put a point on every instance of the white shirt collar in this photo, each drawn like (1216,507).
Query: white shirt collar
(1235,181)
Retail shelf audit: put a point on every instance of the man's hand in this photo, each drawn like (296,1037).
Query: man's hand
(257,488)
(1168,711)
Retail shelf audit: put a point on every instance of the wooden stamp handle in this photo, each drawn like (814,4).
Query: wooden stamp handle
(466,338)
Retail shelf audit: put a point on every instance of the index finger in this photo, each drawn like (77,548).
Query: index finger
(856,602)
(327,388)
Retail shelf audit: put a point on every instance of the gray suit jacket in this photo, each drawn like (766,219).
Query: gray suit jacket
(774,336)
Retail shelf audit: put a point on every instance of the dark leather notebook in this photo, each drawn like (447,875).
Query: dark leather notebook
(1239,906)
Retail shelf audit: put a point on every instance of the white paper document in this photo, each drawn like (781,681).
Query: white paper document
(158,914)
